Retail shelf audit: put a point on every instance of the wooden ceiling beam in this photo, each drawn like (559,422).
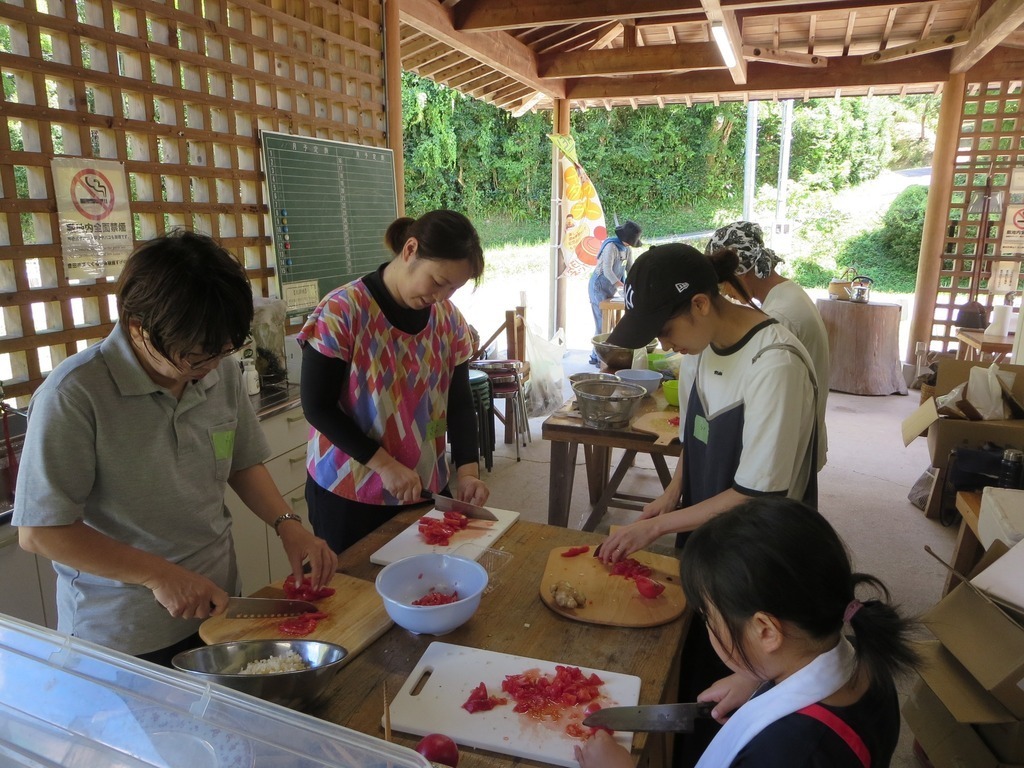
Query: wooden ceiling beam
(727,19)
(1002,18)
(498,50)
(928,45)
(841,73)
(625,61)
(789,58)
(488,15)
(789,8)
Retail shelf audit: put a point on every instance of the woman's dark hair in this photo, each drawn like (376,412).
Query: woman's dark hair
(726,261)
(442,235)
(776,555)
(188,293)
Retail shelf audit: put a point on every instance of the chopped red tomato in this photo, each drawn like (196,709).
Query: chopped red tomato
(301,625)
(437,598)
(630,568)
(436,531)
(577,731)
(456,519)
(479,701)
(545,697)
(648,587)
(575,551)
(305,590)
(674,421)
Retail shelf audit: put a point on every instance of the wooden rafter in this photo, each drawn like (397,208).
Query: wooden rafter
(775,56)
(621,61)
(499,50)
(487,15)
(928,45)
(1002,18)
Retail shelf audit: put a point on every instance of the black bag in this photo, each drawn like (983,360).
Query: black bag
(975,468)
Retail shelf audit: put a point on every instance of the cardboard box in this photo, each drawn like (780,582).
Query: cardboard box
(946,434)
(983,638)
(1006,740)
(948,743)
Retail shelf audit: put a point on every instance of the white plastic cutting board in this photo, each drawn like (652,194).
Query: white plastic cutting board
(454,671)
(480,532)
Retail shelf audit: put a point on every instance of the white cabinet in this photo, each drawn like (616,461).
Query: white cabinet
(261,557)
(29,583)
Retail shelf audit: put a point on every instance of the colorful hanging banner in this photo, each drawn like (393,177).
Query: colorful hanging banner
(95,219)
(581,218)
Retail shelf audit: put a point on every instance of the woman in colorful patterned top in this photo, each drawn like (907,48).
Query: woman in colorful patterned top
(385,376)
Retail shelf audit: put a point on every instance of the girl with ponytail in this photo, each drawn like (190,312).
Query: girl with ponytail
(773,584)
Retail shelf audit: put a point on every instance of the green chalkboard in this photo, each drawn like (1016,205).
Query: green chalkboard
(330,203)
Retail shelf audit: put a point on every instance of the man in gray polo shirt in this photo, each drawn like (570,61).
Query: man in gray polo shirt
(131,444)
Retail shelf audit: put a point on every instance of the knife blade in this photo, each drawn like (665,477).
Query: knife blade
(444,504)
(656,717)
(263,607)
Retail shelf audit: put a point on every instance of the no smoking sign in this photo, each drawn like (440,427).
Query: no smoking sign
(92,194)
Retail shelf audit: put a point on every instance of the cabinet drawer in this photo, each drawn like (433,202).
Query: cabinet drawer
(285,431)
(289,469)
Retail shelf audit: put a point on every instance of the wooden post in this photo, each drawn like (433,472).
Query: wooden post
(393,96)
(936,215)
(560,115)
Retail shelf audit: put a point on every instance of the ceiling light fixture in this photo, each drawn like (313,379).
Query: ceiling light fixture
(724,46)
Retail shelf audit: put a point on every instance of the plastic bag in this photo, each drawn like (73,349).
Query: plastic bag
(985,393)
(544,389)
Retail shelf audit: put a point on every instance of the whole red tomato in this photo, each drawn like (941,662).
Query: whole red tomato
(438,748)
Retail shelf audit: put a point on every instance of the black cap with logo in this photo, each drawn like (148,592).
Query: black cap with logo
(662,281)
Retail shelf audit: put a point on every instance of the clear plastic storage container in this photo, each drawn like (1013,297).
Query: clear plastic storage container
(67,702)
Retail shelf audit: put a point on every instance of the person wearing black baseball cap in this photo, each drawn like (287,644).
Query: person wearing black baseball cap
(748,420)
(613,259)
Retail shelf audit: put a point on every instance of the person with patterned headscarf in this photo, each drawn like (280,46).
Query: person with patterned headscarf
(780,298)
(385,383)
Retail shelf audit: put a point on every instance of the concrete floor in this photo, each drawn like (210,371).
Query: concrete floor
(863,492)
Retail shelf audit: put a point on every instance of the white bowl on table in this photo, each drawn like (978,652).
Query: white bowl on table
(649,380)
(409,579)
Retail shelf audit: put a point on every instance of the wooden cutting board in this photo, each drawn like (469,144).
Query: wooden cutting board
(356,617)
(614,600)
(660,424)
(481,533)
(452,671)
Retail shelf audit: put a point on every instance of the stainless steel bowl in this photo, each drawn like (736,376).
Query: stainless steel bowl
(222,662)
(585,376)
(616,357)
(607,404)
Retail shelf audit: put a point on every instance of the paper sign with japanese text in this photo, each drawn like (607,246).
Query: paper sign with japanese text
(96,234)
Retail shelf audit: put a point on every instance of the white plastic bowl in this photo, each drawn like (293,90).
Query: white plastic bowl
(649,380)
(409,579)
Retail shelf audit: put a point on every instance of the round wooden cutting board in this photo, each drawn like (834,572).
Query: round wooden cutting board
(614,600)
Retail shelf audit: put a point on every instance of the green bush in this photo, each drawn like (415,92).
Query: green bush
(890,253)
(810,274)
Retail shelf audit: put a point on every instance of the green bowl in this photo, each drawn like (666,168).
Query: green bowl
(671,390)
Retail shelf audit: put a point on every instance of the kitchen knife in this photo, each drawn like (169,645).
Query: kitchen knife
(444,504)
(262,608)
(657,717)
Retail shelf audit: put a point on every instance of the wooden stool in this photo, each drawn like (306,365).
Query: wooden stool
(611,313)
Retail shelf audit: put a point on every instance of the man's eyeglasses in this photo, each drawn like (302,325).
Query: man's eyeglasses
(192,361)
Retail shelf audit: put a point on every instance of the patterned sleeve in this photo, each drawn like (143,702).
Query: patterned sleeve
(462,339)
(328,330)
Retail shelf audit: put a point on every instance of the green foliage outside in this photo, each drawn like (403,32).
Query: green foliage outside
(889,254)
(674,170)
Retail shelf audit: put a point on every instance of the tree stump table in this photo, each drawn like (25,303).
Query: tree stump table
(863,347)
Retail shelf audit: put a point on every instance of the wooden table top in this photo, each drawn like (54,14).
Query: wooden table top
(511,619)
(566,425)
(968,504)
(986,343)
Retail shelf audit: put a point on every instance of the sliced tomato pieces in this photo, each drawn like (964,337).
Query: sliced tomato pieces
(630,568)
(457,519)
(575,551)
(436,531)
(648,587)
(674,421)
(546,697)
(305,590)
(437,598)
(480,701)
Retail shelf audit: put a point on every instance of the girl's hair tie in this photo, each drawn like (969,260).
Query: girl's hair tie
(851,610)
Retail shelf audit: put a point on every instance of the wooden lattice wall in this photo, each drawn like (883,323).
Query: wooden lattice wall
(991,141)
(177,91)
